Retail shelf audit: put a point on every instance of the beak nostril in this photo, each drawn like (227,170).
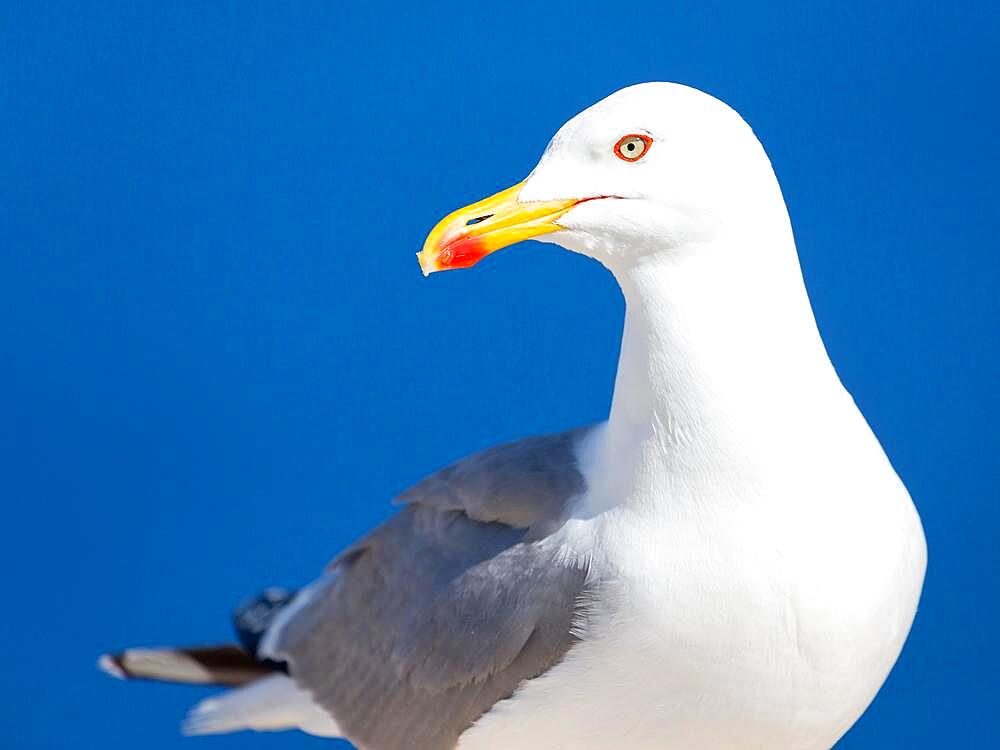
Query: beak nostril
(478,219)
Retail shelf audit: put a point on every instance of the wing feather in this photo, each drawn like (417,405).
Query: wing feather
(447,607)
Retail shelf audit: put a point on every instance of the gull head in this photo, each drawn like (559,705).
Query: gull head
(654,168)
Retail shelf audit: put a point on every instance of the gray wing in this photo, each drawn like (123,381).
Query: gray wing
(420,627)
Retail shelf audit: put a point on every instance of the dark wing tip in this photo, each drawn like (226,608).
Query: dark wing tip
(255,615)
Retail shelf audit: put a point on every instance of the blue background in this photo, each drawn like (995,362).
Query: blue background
(219,359)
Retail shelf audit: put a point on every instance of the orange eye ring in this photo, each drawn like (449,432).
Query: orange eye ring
(633,146)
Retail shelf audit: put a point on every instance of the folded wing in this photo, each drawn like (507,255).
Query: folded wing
(423,625)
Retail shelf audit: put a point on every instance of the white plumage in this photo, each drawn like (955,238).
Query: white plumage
(270,704)
(763,560)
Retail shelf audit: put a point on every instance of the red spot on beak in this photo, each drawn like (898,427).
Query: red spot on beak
(462,253)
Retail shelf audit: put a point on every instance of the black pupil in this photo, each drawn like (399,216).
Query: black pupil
(631,147)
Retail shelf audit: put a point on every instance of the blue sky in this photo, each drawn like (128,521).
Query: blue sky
(220,360)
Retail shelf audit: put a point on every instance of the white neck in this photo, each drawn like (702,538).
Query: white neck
(720,363)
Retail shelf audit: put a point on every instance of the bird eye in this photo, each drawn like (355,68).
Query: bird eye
(633,147)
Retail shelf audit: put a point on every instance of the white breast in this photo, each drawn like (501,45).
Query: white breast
(770,625)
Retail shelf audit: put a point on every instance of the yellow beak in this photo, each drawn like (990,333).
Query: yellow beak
(464,237)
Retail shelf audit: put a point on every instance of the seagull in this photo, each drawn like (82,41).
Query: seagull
(729,561)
